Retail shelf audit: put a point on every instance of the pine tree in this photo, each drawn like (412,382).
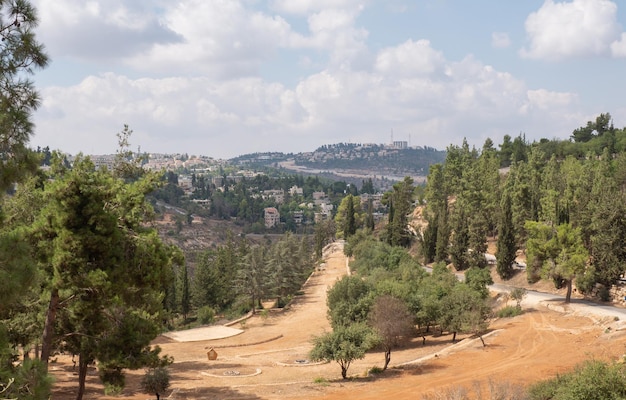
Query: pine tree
(96,253)
(20,54)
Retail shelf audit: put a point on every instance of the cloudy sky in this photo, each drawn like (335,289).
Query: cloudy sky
(228,77)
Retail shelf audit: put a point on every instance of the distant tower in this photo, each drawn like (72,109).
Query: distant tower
(391,135)
(409,140)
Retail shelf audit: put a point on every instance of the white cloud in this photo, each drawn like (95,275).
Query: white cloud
(221,39)
(205,93)
(618,47)
(333,30)
(500,40)
(305,7)
(99,29)
(580,28)
(412,89)
(409,59)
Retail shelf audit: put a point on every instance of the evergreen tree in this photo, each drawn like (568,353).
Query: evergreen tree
(506,152)
(368,186)
(460,239)
(94,249)
(370,223)
(559,251)
(399,201)
(436,235)
(20,54)
(507,248)
(348,217)
(251,277)
(350,223)
(185,298)
(344,345)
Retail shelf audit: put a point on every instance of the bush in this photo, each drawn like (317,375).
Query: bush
(375,370)
(265,314)
(322,381)
(113,379)
(604,293)
(593,380)
(32,382)
(206,315)
(156,381)
(509,312)
(112,390)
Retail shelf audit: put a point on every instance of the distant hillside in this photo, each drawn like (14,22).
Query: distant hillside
(358,159)
(384,158)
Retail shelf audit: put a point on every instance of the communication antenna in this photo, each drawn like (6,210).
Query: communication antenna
(391,135)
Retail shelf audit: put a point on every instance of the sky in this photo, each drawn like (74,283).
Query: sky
(223,78)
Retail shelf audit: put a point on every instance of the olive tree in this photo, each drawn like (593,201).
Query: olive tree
(344,345)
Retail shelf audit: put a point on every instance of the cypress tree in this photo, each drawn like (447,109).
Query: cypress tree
(506,240)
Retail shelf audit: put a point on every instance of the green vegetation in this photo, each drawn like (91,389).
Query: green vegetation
(392,321)
(562,202)
(389,294)
(509,312)
(518,295)
(592,380)
(235,277)
(344,345)
(156,381)
(20,55)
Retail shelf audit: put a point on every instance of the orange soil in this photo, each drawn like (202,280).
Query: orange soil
(261,363)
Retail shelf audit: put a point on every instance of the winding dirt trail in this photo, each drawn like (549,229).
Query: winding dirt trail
(269,359)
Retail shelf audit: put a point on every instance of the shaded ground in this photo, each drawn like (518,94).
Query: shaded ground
(269,359)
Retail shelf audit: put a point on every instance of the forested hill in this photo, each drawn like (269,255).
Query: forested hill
(396,160)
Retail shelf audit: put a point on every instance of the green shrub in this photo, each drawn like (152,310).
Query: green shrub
(156,381)
(31,382)
(283,301)
(592,380)
(265,314)
(112,390)
(206,315)
(113,379)
(509,312)
(375,370)
(604,293)
(321,381)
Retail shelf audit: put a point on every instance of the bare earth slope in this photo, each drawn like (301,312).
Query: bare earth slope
(269,359)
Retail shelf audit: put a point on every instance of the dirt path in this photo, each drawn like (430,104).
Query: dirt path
(269,359)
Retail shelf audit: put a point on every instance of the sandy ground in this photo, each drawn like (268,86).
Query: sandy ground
(202,334)
(268,360)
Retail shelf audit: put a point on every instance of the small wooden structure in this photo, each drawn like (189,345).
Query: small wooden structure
(211,354)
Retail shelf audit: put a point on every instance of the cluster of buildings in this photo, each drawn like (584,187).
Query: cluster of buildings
(320,202)
(352,151)
(207,166)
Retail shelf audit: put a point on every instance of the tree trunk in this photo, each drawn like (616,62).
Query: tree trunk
(387,358)
(453,337)
(158,396)
(344,371)
(48,330)
(568,295)
(82,376)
